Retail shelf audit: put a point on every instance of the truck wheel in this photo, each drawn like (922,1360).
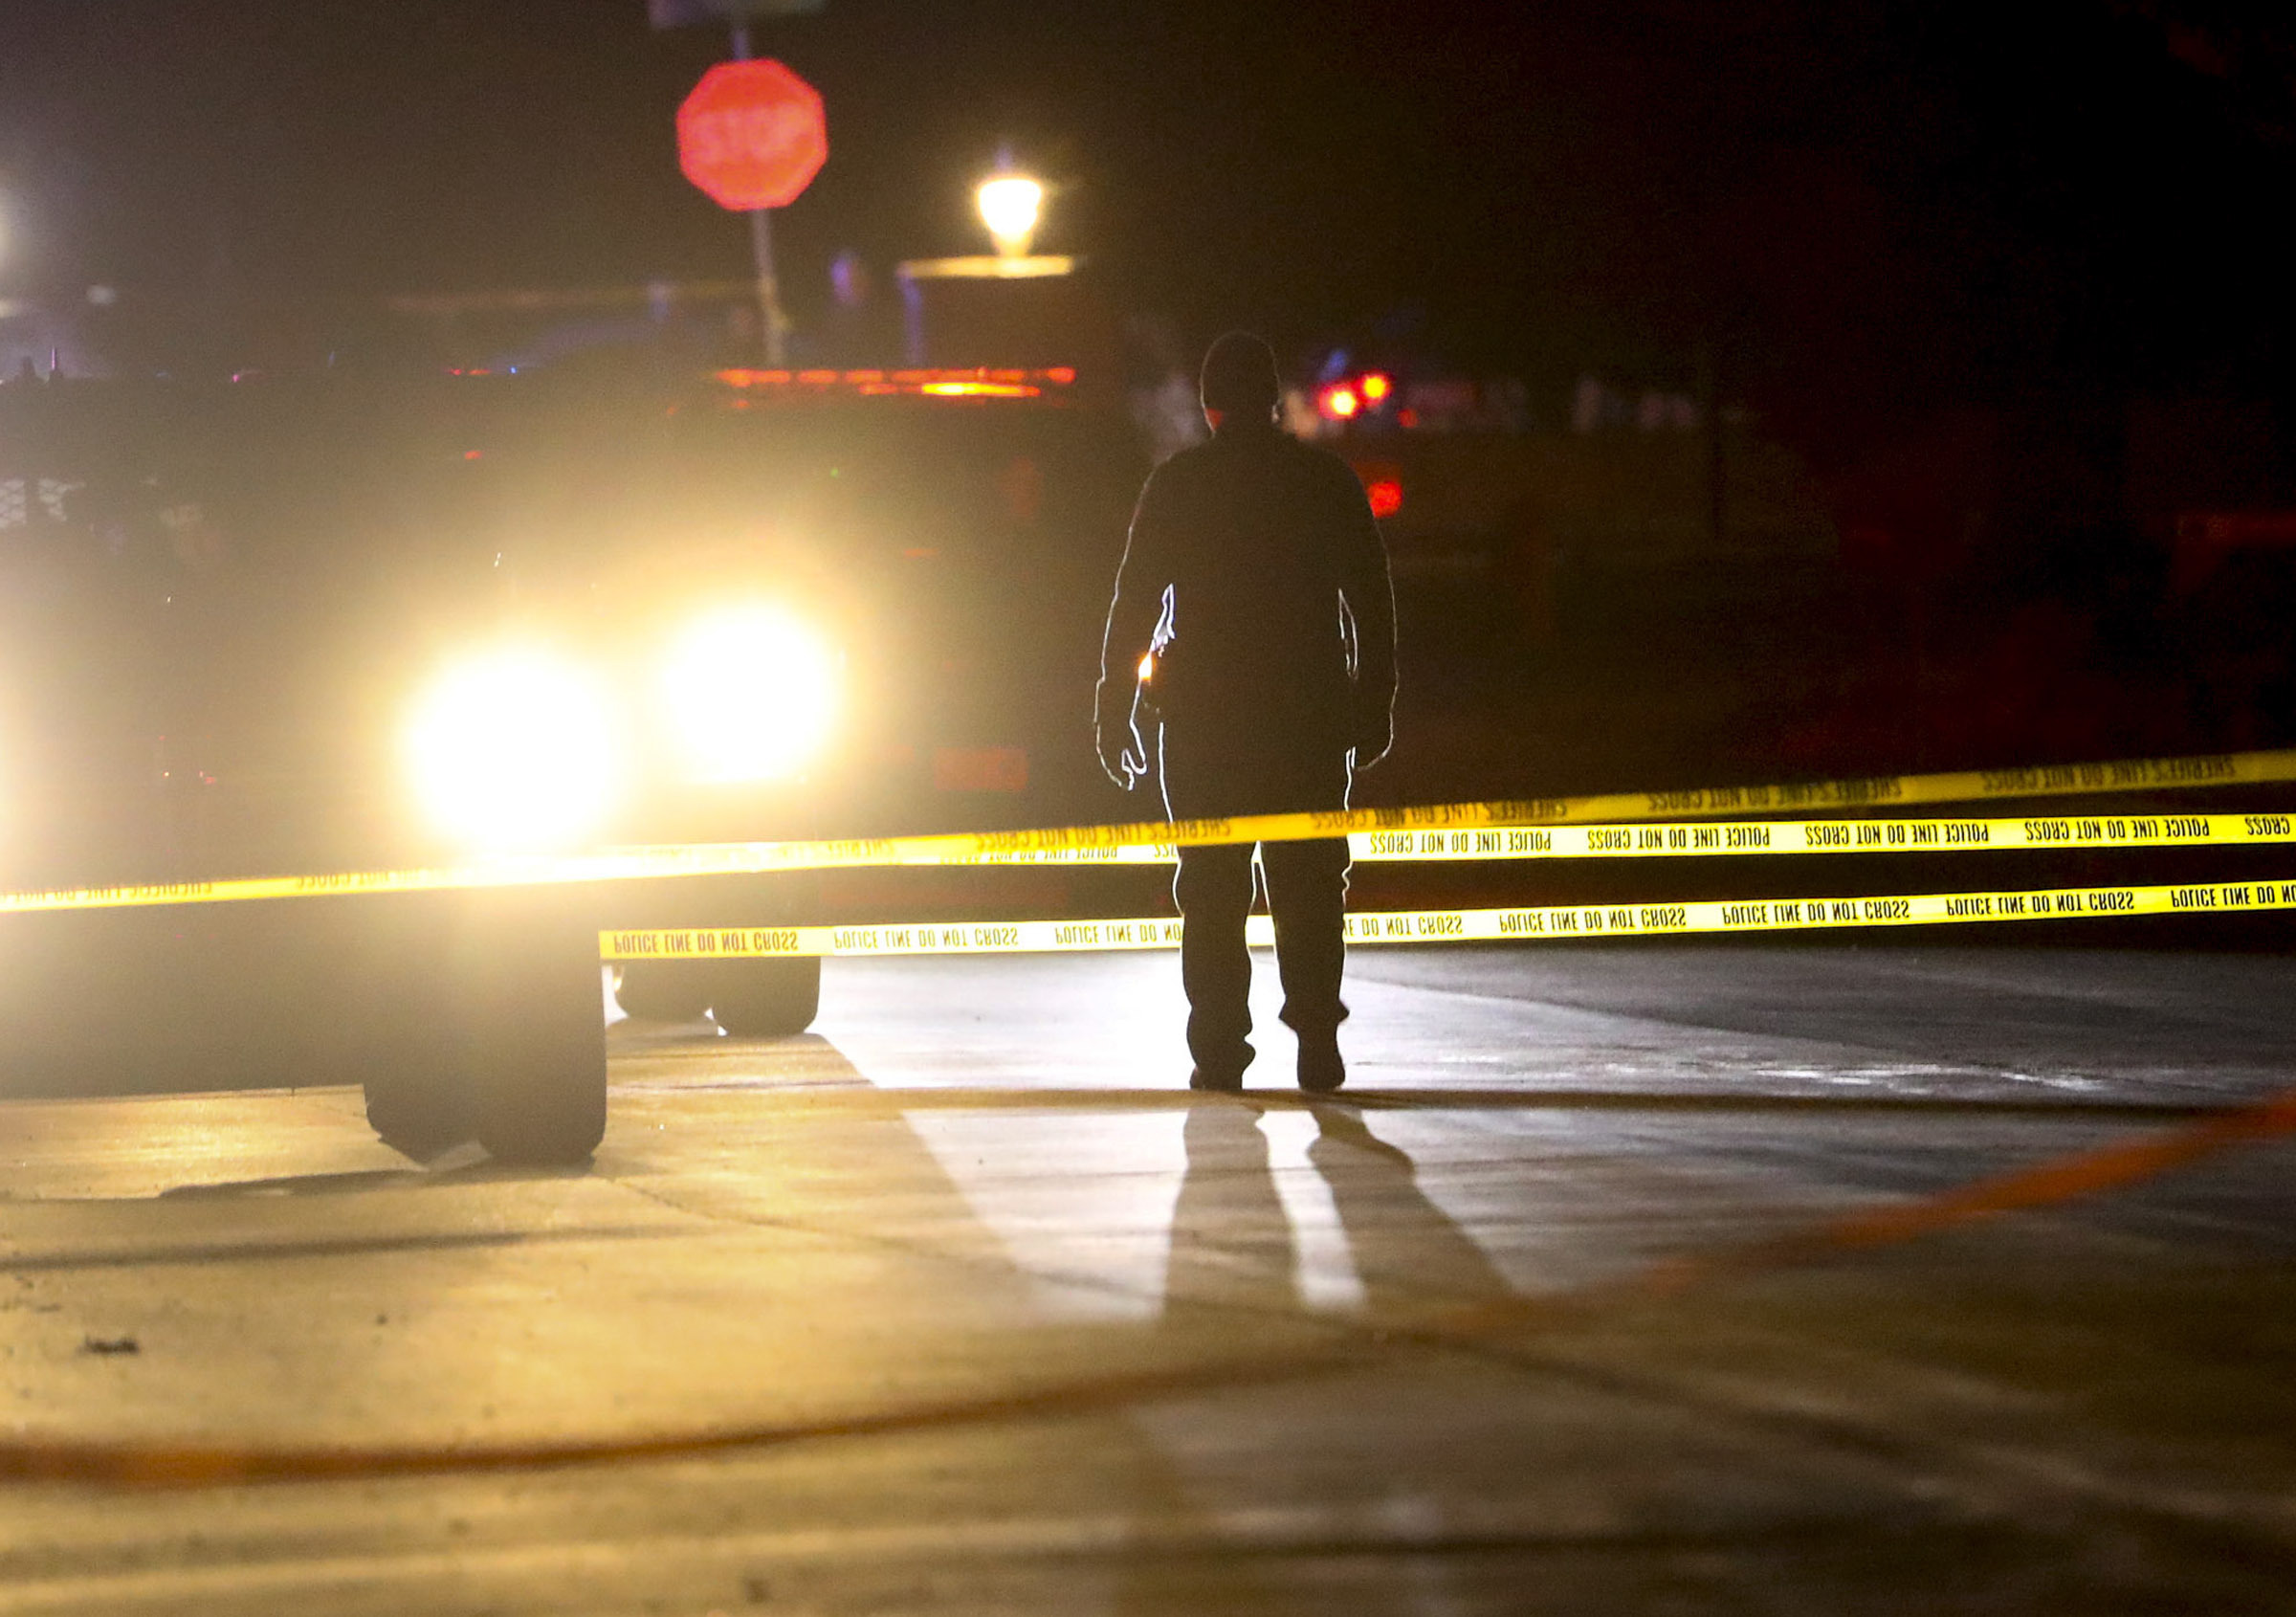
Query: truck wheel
(542,1096)
(664,990)
(532,1038)
(765,998)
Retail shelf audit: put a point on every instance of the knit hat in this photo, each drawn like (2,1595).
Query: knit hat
(1239,376)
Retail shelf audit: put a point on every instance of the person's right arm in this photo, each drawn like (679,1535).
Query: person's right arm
(1143,579)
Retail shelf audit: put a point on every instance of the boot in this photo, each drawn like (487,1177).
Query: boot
(1322,1071)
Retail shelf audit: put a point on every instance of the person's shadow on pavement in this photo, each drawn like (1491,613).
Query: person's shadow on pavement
(1409,1253)
(1232,1240)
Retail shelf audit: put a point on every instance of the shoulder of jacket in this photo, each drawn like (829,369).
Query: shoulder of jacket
(1181,462)
(1326,464)
(1176,470)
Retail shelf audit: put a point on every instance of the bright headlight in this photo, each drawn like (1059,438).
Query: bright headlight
(515,750)
(751,694)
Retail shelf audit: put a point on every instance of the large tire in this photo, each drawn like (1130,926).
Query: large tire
(533,1033)
(664,990)
(758,999)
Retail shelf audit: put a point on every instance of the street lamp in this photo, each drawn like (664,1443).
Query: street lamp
(1010,205)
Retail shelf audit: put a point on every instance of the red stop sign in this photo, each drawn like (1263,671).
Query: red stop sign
(752,135)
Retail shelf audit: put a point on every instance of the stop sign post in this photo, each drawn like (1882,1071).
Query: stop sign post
(752,135)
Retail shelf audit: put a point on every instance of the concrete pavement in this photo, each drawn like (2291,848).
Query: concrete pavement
(978,1181)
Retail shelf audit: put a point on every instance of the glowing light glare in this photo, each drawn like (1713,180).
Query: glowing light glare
(1386,496)
(1010,205)
(1375,388)
(1338,402)
(515,750)
(977,382)
(751,694)
(979,390)
(1147,667)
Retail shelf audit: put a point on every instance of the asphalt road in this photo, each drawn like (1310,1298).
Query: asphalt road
(1040,1332)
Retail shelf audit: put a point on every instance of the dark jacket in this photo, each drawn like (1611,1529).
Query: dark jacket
(1257,571)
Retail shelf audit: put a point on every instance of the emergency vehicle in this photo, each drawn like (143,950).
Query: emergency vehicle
(333,624)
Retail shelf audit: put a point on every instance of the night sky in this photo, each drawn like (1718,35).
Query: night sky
(1859,207)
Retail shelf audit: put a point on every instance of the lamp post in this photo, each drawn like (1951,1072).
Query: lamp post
(1011,206)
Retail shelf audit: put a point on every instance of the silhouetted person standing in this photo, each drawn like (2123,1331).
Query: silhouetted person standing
(1256,576)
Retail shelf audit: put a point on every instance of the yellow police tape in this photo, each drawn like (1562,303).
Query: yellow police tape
(1683,838)
(1564,922)
(1725,837)
(1531,828)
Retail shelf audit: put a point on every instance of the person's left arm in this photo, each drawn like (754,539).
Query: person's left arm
(1367,591)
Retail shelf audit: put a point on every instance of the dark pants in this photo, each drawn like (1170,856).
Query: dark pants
(1207,776)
